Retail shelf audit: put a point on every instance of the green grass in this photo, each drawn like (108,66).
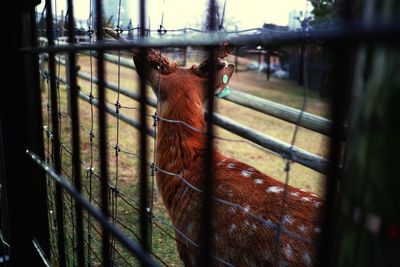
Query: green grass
(284,92)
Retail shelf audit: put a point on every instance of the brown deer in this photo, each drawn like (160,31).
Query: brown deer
(248,204)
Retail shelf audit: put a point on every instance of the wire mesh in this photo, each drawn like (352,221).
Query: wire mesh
(143,208)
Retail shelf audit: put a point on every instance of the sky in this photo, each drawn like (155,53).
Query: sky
(180,13)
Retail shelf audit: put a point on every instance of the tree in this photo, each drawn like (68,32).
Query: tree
(322,8)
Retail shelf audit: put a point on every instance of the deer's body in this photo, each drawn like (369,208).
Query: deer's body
(239,239)
(247,203)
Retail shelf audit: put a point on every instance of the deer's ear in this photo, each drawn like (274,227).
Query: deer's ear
(223,77)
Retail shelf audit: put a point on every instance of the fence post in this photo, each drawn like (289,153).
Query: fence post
(184,50)
(268,61)
(369,233)
(21,128)
(68,81)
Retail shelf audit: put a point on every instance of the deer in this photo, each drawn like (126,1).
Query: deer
(245,231)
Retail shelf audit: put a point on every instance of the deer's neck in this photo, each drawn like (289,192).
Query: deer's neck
(182,139)
(180,150)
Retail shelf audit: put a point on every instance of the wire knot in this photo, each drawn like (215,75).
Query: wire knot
(162,30)
(90,171)
(153,168)
(287,166)
(117,150)
(91,97)
(49,134)
(119,30)
(115,190)
(156,118)
(91,136)
(117,106)
(90,32)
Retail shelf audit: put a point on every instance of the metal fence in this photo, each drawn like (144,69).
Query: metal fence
(70,212)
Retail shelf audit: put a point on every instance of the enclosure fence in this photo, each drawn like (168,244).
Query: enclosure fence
(80,194)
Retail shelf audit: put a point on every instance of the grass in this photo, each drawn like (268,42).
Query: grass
(124,170)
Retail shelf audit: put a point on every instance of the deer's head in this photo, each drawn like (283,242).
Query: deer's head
(171,83)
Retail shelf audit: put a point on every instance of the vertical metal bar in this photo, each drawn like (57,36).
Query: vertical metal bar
(144,219)
(21,127)
(208,172)
(102,135)
(68,77)
(36,142)
(76,165)
(343,64)
(301,78)
(56,138)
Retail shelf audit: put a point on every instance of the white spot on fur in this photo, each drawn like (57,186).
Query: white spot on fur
(246,222)
(246,209)
(231,165)
(302,190)
(274,189)
(288,251)
(295,194)
(254,226)
(317,230)
(246,173)
(317,204)
(307,259)
(287,219)
(258,181)
(233,227)
(302,228)
(306,199)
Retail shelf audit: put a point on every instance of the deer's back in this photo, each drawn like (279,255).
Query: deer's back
(246,218)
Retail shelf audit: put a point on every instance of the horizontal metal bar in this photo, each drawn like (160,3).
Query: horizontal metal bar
(134,248)
(298,155)
(114,87)
(122,116)
(112,58)
(283,112)
(376,32)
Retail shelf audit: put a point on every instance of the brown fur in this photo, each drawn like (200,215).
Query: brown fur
(239,238)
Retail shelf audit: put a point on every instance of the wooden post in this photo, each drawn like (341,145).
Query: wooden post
(259,59)
(268,61)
